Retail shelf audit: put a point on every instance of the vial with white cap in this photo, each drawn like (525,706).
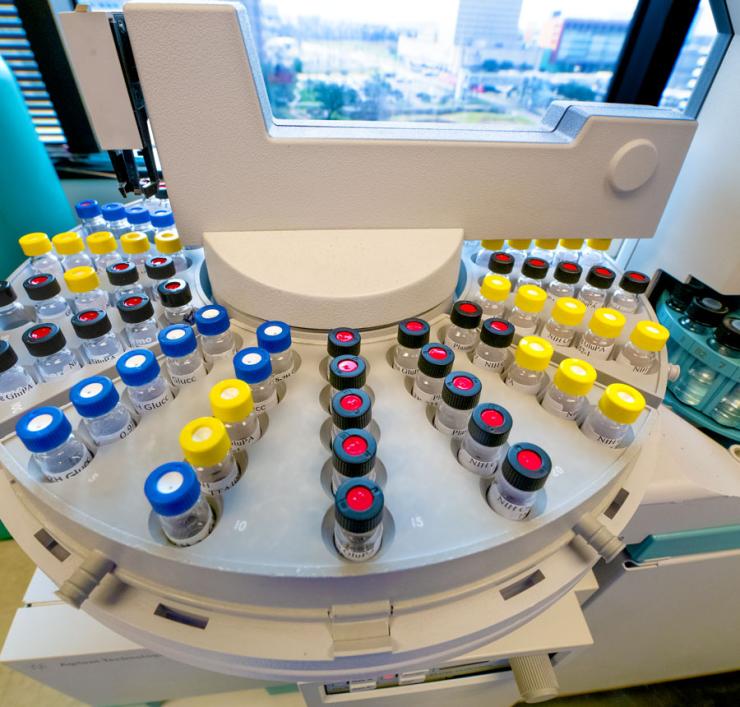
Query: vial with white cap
(99,342)
(140,372)
(84,284)
(645,343)
(124,277)
(90,215)
(595,253)
(353,457)
(529,301)
(347,372)
(139,220)
(565,318)
(46,296)
(206,445)
(565,277)
(275,338)
(137,314)
(531,359)
(435,362)
(159,268)
(523,472)
(232,403)
(484,442)
(216,339)
(358,519)
(350,409)
(12,313)
(168,243)
(135,247)
(462,333)
(491,297)
(603,329)
(565,397)
(253,366)
(626,298)
(71,250)
(104,418)
(173,490)
(37,247)
(610,422)
(183,360)
(460,394)
(492,351)
(598,281)
(518,248)
(46,343)
(104,250)
(177,301)
(116,222)
(343,340)
(569,249)
(15,381)
(412,335)
(47,434)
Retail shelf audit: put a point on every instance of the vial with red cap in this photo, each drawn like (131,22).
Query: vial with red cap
(492,351)
(523,472)
(353,457)
(177,301)
(214,327)
(275,337)
(46,343)
(412,335)
(15,380)
(460,394)
(350,409)
(534,271)
(253,366)
(565,277)
(626,298)
(347,372)
(598,282)
(159,268)
(484,442)
(124,277)
(435,362)
(358,519)
(46,296)
(462,334)
(502,263)
(343,340)
(99,342)
(137,314)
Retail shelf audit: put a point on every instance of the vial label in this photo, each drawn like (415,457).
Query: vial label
(557,340)
(477,466)
(268,404)
(405,371)
(521,387)
(426,397)
(101,358)
(357,553)
(237,444)
(457,346)
(599,353)
(277,377)
(506,508)
(191,377)
(76,469)
(154,403)
(102,440)
(553,406)
(202,533)
(17,392)
(216,488)
(485,363)
(448,430)
(641,370)
(72,365)
(141,339)
(589,431)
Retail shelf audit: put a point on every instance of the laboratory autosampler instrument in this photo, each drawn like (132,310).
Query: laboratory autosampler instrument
(343,231)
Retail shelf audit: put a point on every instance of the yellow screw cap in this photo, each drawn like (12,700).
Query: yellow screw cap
(134,242)
(495,288)
(575,377)
(607,323)
(649,336)
(530,298)
(568,311)
(204,441)
(546,243)
(533,353)
(598,243)
(68,243)
(520,243)
(34,244)
(167,243)
(231,400)
(81,279)
(621,403)
(101,242)
(572,243)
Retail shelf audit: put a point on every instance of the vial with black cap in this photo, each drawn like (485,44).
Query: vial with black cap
(462,333)
(15,381)
(347,372)
(147,389)
(353,457)
(435,362)
(492,351)
(12,313)
(460,394)
(275,338)
(45,294)
(412,335)
(99,342)
(484,442)
(137,314)
(703,315)
(104,418)
(53,358)
(534,271)
(598,281)
(182,357)
(565,277)
(343,340)
(350,409)
(253,366)
(177,301)
(626,298)
(124,277)
(502,263)
(358,519)
(159,268)
(523,472)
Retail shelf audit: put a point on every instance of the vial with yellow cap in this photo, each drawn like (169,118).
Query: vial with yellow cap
(71,250)
(491,297)
(232,403)
(603,329)
(84,284)
(104,249)
(528,303)
(566,396)
(641,351)
(167,242)
(610,422)
(518,249)
(531,359)
(487,248)
(565,318)
(544,248)
(135,247)
(206,445)
(37,247)
(595,253)
(569,249)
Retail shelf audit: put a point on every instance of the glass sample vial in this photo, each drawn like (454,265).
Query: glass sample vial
(159,268)
(275,338)
(163,221)
(523,472)
(177,301)
(173,491)
(350,409)
(502,263)
(565,277)
(84,284)
(46,343)
(15,381)
(343,340)
(104,250)
(462,333)
(595,253)
(598,281)
(216,339)
(492,351)
(487,248)
(147,389)
(726,338)
(460,394)
(253,366)
(518,249)
(135,247)
(139,220)
(492,296)
(529,301)
(603,329)
(206,445)
(37,247)
(71,250)
(531,359)
(99,343)
(232,403)
(727,410)
(565,397)
(544,248)
(609,423)
(435,362)
(45,294)
(12,313)
(137,315)
(90,215)
(116,222)
(358,519)
(703,315)
(183,360)
(98,404)
(412,335)
(484,443)
(124,277)
(565,318)
(569,249)
(641,351)
(353,457)
(534,271)
(626,298)
(168,243)
(347,372)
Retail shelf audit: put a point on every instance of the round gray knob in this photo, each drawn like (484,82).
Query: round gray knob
(534,677)
(633,165)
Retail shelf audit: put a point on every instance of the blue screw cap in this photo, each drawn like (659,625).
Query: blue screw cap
(137,367)
(113,211)
(252,365)
(87,208)
(137,215)
(163,218)
(212,320)
(43,429)
(172,488)
(177,340)
(274,336)
(94,396)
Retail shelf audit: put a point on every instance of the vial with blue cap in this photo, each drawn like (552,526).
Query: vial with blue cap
(104,418)
(353,457)
(15,380)
(275,338)
(90,215)
(140,220)
(173,491)
(216,339)
(47,434)
(114,215)
(253,366)
(140,372)
(163,221)
(182,357)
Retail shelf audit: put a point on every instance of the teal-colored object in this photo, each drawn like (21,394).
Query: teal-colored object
(685,542)
(4,534)
(31,197)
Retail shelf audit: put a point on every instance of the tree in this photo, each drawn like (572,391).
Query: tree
(333,98)
(575,91)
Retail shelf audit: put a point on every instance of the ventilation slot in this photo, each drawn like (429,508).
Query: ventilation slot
(51,545)
(180,617)
(522,585)
(616,504)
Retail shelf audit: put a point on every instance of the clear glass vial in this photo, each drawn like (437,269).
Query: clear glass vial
(139,220)
(529,302)
(37,248)
(53,358)
(71,250)
(487,248)
(116,222)
(598,281)
(173,491)
(641,351)
(15,381)
(147,389)
(275,338)
(347,372)
(523,472)
(124,277)
(569,249)
(603,330)
(84,284)
(206,445)
(412,335)
(135,247)
(595,253)
(726,338)
(462,333)
(727,410)
(534,271)
(565,397)
(353,457)
(139,323)
(358,519)
(163,221)
(90,215)
(343,340)
(104,249)
(502,263)
(168,243)
(12,313)
(518,249)
(46,296)
(47,434)
(350,409)
(565,318)
(232,403)
(626,298)
(544,248)
(460,394)
(183,360)
(492,295)
(703,315)
(484,443)
(177,301)
(565,277)
(214,327)
(531,359)
(104,418)
(435,362)
(492,351)
(158,269)
(610,422)
(99,342)
(253,366)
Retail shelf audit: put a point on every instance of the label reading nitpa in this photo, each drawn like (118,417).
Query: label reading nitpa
(485,468)
(271,402)
(185,378)
(490,365)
